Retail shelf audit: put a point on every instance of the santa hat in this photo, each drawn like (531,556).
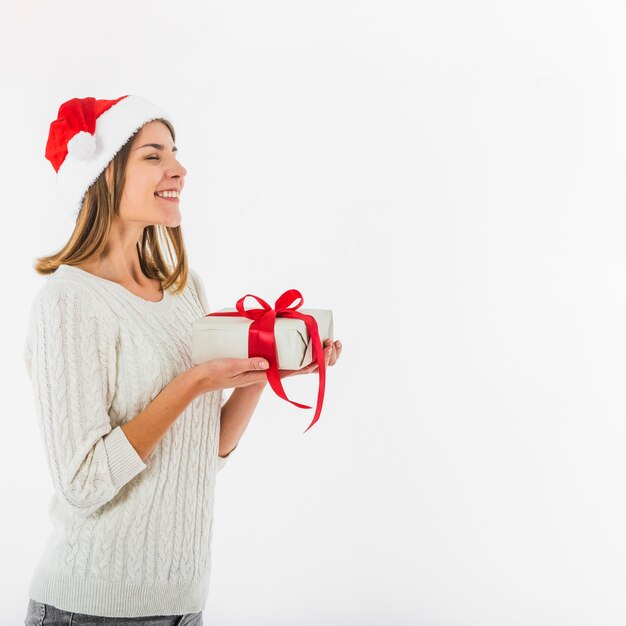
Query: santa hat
(85,137)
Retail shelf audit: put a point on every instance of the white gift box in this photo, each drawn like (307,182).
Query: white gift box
(218,337)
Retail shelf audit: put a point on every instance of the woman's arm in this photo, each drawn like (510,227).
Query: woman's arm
(236,414)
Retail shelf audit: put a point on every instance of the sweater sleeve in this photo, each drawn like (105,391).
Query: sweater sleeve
(201,292)
(70,357)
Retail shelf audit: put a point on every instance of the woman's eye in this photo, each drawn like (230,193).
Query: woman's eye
(157,158)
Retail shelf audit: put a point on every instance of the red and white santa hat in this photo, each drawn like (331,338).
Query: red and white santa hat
(85,137)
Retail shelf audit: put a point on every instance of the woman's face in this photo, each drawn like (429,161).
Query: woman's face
(150,170)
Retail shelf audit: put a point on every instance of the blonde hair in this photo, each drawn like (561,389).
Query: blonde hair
(93,224)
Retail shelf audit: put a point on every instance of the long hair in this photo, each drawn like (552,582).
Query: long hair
(101,205)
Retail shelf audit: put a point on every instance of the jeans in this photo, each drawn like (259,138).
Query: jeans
(40,614)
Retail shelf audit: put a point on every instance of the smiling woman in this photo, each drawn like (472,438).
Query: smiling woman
(132,433)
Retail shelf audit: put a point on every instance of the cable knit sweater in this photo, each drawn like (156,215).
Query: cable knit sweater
(130,539)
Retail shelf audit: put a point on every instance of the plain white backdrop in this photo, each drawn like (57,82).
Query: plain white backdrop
(448,178)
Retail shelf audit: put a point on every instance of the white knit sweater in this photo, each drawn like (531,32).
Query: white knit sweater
(130,538)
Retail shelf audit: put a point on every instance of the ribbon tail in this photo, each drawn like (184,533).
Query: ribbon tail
(318,355)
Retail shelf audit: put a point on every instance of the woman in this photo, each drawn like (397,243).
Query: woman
(133,431)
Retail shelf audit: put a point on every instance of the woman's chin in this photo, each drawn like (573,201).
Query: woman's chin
(172,219)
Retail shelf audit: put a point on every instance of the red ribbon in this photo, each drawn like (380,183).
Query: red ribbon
(262,342)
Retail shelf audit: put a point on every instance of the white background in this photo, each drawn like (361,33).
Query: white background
(448,178)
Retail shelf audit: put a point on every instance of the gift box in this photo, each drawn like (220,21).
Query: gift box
(220,337)
(286,336)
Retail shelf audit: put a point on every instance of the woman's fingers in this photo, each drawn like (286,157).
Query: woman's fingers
(332,350)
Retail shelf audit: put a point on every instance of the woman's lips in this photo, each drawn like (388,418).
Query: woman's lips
(169,199)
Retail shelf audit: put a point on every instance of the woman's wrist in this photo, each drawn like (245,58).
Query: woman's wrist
(196,381)
(256,386)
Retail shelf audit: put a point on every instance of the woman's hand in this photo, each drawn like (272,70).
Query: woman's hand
(227,373)
(332,351)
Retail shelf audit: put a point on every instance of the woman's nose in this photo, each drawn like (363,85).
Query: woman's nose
(178,171)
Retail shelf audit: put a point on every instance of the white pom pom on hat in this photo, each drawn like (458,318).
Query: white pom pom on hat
(82,145)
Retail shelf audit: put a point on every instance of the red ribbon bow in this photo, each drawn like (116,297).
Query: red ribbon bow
(262,342)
